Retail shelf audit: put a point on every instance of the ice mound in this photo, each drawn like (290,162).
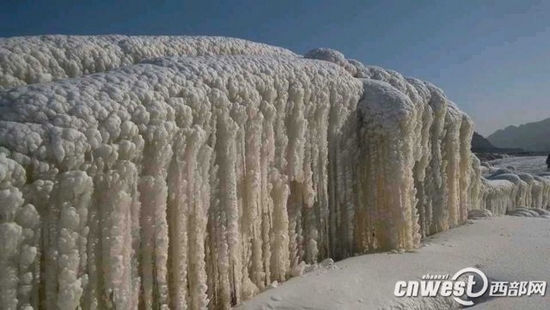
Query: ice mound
(530,212)
(504,191)
(477,214)
(194,172)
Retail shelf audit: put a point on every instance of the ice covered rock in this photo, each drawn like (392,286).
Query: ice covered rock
(477,214)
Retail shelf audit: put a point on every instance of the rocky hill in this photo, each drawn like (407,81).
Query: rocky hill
(530,137)
(481,145)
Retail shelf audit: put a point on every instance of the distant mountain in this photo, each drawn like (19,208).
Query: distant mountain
(530,137)
(482,145)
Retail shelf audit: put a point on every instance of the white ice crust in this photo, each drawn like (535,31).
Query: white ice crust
(29,60)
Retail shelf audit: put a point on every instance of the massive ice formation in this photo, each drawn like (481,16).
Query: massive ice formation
(192,172)
(504,190)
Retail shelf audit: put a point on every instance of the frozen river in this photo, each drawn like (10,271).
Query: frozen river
(529,164)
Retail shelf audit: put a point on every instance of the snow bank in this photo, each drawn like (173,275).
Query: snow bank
(197,180)
(368,281)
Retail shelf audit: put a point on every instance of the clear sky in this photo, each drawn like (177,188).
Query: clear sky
(491,57)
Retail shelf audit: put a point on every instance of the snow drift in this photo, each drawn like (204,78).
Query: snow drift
(192,172)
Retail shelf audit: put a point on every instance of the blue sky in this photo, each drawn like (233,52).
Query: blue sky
(491,57)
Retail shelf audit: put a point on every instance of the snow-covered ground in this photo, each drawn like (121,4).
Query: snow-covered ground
(504,248)
(527,164)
